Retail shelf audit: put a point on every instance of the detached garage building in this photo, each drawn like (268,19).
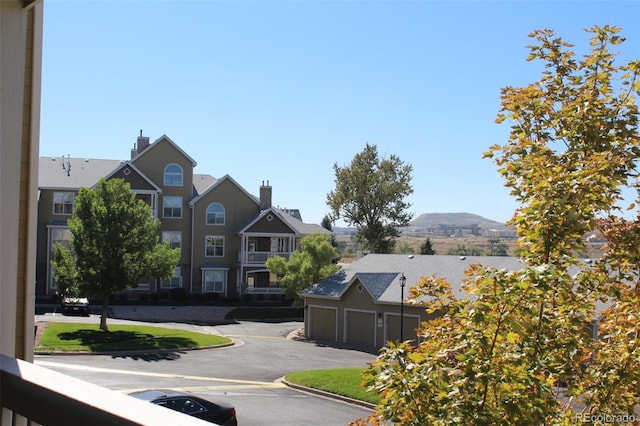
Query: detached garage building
(360,304)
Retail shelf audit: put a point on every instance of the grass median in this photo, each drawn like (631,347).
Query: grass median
(73,337)
(340,381)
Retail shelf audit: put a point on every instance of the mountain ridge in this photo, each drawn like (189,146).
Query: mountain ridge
(434,220)
(431,220)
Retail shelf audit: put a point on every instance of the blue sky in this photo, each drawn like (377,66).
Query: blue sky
(282,90)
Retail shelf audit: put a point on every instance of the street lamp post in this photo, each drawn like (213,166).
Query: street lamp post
(403,281)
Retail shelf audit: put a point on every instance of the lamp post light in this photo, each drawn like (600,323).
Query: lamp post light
(403,281)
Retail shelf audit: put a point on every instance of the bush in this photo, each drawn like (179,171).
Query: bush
(179,293)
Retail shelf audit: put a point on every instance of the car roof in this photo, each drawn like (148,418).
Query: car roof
(151,394)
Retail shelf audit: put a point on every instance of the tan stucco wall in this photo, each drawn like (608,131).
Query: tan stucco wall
(20,71)
(152,163)
(239,210)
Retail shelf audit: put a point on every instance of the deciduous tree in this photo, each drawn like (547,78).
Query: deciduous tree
(517,349)
(315,260)
(115,244)
(370,194)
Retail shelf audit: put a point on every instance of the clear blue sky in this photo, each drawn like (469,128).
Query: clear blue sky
(282,90)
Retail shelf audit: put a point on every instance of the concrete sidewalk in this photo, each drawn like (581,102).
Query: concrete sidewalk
(206,315)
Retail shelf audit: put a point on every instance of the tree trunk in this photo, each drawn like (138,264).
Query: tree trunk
(103,314)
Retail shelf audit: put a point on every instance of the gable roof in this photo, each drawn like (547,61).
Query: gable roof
(297,226)
(217,183)
(54,173)
(165,138)
(133,167)
(380,274)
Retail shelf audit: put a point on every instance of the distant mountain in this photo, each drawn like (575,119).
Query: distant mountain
(431,220)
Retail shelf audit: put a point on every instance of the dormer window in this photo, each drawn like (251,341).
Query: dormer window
(215,214)
(173,175)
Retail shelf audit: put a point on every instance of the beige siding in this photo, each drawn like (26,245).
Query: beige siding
(239,209)
(152,163)
(20,68)
(275,226)
(134,179)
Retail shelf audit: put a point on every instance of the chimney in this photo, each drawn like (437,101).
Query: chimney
(141,145)
(265,196)
(134,152)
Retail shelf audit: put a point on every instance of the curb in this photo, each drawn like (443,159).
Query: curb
(327,394)
(138,352)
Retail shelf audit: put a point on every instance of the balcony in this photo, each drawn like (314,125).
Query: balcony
(260,257)
(32,395)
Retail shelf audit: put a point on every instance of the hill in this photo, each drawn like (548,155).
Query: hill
(431,220)
(434,220)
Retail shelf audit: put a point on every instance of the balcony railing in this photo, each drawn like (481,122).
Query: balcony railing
(32,396)
(260,257)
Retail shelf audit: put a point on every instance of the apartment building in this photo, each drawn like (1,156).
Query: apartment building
(225,233)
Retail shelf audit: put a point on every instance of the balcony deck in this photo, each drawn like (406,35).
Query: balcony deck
(31,395)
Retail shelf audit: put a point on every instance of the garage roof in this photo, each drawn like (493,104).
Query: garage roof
(380,274)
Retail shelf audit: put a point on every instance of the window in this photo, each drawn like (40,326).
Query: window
(173,175)
(213,281)
(175,281)
(173,237)
(60,236)
(215,214)
(63,202)
(278,245)
(214,245)
(172,207)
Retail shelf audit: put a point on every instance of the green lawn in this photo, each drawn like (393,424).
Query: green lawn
(340,381)
(72,337)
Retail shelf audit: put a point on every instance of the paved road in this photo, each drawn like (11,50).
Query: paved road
(245,375)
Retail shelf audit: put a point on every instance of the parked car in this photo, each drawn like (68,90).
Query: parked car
(76,305)
(214,412)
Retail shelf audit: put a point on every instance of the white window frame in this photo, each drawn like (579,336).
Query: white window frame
(173,175)
(210,242)
(173,282)
(52,248)
(278,245)
(218,216)
(173,237)
(219,285)
(168,202)
(66,201)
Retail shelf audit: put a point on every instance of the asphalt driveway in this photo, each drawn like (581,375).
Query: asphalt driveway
(245,374)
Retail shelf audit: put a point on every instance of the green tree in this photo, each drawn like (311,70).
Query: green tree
(405,247)
(114,244)
(496,248)
(427,247)
(370,194)
(315,261)
(463,250)
(517,350)
(327,223)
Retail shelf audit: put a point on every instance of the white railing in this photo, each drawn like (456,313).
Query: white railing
(260,257)
(32,396)
(264,290)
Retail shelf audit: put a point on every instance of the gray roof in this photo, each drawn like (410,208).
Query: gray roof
(84,172)
(299,226)
(380,274)
(201,183)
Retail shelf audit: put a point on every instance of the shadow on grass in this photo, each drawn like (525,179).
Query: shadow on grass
(108,341)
